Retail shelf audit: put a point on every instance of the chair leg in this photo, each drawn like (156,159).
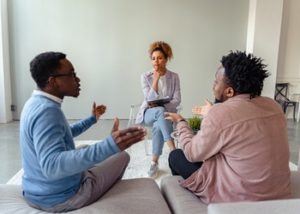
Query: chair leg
(284,108)
(147,145)
(177,143)
(298,113)
(294,113)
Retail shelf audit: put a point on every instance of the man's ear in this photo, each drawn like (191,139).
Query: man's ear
(51,81)
(230,92)
(52,84)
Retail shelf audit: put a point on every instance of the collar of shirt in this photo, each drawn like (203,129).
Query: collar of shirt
(50,96)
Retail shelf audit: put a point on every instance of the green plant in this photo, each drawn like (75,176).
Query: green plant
(194,123)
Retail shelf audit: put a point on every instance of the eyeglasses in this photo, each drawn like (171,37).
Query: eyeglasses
(73,74)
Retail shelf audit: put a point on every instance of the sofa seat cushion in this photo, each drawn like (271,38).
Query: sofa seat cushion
(140,195)
(179,199)
(287,206)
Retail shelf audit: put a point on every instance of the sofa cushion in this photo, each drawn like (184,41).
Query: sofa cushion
(179,199)
(140,195)
(288,206)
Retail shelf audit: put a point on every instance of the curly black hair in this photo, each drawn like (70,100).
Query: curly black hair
(245,73)
(44,65)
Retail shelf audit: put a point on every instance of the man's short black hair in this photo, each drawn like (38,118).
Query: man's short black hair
(44,65)
(245,73)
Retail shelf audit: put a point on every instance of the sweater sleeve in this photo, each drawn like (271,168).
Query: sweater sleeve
(56,160)
(81,126)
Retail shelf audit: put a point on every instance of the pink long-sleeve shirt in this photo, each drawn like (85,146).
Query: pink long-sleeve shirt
(243,143)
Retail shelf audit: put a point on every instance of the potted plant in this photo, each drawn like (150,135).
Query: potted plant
(195,123)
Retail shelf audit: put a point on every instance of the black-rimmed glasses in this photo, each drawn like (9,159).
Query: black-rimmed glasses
(73,74)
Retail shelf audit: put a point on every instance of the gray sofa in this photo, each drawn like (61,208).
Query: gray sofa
(142,195)
(182,201)
(131,196)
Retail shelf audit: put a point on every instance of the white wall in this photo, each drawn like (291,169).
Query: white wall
(107,42)
(265,17)
(289,55)
(5,87)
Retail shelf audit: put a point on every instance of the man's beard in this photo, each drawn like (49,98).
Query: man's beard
(217,101)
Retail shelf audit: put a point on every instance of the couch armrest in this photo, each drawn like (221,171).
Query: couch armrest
(295,183)
(181,200)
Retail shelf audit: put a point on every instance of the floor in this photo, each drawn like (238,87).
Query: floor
(10,162)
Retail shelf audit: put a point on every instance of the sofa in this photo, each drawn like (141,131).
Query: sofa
(142,195)
(182,201)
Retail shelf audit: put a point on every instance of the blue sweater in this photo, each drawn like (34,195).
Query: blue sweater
(52,167)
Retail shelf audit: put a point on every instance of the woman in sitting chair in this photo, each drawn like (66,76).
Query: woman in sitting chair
(156,84)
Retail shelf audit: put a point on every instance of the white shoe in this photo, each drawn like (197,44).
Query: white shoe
(153,171)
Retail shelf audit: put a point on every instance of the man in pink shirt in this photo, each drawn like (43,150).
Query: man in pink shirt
(241,152)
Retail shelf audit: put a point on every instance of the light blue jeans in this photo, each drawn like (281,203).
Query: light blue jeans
(161,128)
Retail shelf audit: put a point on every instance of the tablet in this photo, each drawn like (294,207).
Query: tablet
(160,101)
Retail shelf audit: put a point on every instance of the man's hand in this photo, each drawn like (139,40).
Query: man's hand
(97,111)
(174,117)
(116,125)
(127,137)
(202,110)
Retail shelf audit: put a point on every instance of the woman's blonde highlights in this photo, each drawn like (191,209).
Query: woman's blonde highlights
(164,47)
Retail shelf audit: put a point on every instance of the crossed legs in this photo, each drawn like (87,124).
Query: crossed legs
(161,133)
(95,182)
(161,129)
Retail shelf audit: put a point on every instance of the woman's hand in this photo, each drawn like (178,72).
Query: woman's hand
(202,110)
(156,75)
(174,117)
(97,111)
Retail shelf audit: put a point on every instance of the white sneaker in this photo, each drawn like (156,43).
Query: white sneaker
(153,171)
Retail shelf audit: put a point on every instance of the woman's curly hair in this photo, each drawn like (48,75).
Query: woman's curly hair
(163,47)
(245,73)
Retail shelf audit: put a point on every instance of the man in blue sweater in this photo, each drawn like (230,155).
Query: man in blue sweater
(57,177)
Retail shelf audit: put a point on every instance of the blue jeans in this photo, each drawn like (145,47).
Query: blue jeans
(161,128)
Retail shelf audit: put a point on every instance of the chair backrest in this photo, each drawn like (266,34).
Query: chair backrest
(281,92)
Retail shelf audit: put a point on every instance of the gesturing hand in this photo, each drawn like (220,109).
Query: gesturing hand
(97,111)
(174,117)
(202,110)
(116,125)
(127,137)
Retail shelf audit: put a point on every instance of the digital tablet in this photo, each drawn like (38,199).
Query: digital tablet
(160,101)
